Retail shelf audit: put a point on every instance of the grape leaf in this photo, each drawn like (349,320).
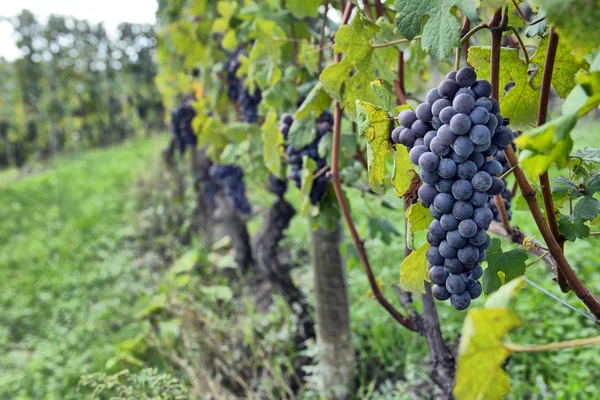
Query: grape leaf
(573,230)
(562,185)
(593,185)
(302,132)
(540,28)
(586,209)
(418,218)
(511,264)
(521,102)
(403,171)
(304,8)
(375,125)
(265,54)
(414,271)
(576,22)
(514,19)
(383,228)
(565,67)
(441,32)
(316,102)
(588,154)
(384,92)
(272,145)
(481,345)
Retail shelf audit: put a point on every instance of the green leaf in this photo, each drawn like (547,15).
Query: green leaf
(481,345)
(384,92)
(403,171)
(302,132)
(441,33)
(272,141)
(502,266)
(586,209)
(383,228)
(414,271)
(514,19)
(315,103)
(308,169)
(593,185)
(304,8)
(576,22)
(540,28)
(588,154)
(418,218)
(521,102)
(374,123)
(562,185)
(573,230)
(565,67)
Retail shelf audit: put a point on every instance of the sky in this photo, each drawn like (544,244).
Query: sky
(111,12)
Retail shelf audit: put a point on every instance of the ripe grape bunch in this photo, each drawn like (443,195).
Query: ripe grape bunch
(294,156)
(449,137)
(181,126)
(237,91)
(230,179)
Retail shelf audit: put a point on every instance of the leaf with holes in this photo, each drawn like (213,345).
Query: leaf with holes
(502,266)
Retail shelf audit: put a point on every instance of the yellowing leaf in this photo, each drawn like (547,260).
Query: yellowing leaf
(308,170)
(272,145)
(521,102)
(418,218)
(481,346)
(374,123)
(414,271)
(403,171)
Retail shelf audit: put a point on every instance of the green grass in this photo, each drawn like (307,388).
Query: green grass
(68,283)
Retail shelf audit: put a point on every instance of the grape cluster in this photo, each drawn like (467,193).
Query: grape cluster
(449,138)
(320,185)
(277,186)
(181,126)
(237,91)
(248,102)
(231,180)
(233,82)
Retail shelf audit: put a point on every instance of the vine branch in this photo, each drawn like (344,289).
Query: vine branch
(394,42)
(408,323)
(523,47)
(568,344)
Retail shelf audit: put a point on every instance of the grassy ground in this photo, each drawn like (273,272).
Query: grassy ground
(67,285)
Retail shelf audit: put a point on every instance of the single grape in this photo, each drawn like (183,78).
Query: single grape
(406,137)
(396,134)
(463,146)
(460,124)
(478,199)
(407,118)
(416,152)
(451,75)
(436,230)
(467,228)
(479,238)
(484,102)
(440,292)
(453,265)
(483,217)
(479,134)
(460,301)
(463,103)
(420,128)
(428,161)
(439,105)
(423,112)
(444,185)
(438,148)
(455,284)
(477,272)
(468,254)
(443,203)
(446,114)
(466,77)
(455,239)
(478,159)
(430,177)
(428,138)
(466,91)
(492,167)
(503,137)
(446,250)
(433,256)
(438,275)
(466,170)
(433,240)
(432,96)
(487,244)
(287,119)
(496,187)
(482,88)
(446,168)
(462,210)
(462,189)
(445,135)
(448,88)
(474,288)
(482,181)
(426,194)
(449,223)
(479,116)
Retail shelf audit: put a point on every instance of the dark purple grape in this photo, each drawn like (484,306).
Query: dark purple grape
(467,228)
(446,250)
(460,124)
(444,185)
(443,203)
(446,136)
(406,137)
(492,167)
(466,170)
(439,105)
(463,103)
(396,134)
(462,210)
(483,217)
(438,148)
(423,112)
(463,146)
(466,77)
(430,177)
(482,88)
(432,96)
(479,116)
(455,239)
(460,301)
(496,187)
(468,254)
(407,118)
(446,114)
(428,138)
(462,189)
(478,199)
(479,238)
(426,194)
(438,275)
(474,288)
(448,88)
(482,181)
(455,284)
(478,159)
(416,152)
(428,161)
(448,222)
(446,168)
(440,292)
(434,257)
(453,265)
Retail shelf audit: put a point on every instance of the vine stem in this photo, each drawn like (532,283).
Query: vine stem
(523,17)
(476,29)
(568,344)
(408,323)
(525,54)
(322,38)
(394,42)
(496,33)
(399,83)
(541,120)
